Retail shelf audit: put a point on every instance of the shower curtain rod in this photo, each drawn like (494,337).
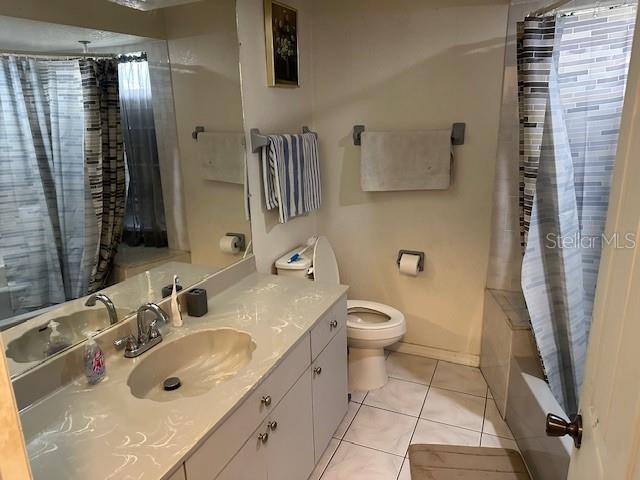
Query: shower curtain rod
(57,54)
(549,8)
(596,6)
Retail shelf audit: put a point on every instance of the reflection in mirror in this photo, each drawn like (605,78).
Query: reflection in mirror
(104,193)
(28,343)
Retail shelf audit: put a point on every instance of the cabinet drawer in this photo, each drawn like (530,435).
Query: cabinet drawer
(229,437)
(328,326)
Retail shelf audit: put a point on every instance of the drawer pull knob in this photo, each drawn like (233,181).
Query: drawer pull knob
(317,370)
(266,400)
(333,324)
(264,437)
(272,425)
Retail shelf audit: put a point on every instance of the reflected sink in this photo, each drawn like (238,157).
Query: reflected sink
(30,346)
(200,360)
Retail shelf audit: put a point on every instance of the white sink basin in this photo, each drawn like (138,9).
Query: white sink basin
(30,346)
(200,360)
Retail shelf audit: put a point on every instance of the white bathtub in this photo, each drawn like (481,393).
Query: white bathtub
(530,399)
(510,364)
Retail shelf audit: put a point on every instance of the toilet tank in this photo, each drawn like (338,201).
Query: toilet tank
(299,268)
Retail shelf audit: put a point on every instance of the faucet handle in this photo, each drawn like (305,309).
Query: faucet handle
(154,332)
(128,342)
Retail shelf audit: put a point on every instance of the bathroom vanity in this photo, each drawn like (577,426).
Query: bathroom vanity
(267,407)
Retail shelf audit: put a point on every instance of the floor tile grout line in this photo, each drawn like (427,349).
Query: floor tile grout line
(371,448)
(505,422)
(341,439)
(393,411)
(408,381)
(329,462)
(404,459)
(351,422)
(416,425)
(458,391)
(429,385)
(484,419)
(454,426)
(499,436)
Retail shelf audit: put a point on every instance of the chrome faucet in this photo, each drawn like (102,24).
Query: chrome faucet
(148,335)
(101,297)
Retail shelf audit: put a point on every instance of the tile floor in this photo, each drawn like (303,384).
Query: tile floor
(425,401)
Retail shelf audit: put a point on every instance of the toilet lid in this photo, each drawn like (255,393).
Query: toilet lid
(395,318)
(325,265)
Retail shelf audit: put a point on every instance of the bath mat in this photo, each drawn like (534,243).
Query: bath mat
(449,462)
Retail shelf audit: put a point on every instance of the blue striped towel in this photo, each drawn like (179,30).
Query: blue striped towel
(291,174)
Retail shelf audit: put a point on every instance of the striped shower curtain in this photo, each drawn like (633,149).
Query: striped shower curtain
(56,164)
(571,81)
(104,156)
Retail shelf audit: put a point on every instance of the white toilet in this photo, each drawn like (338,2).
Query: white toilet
(371,326)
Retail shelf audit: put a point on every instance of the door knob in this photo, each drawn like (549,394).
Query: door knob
(558,427)
(266,400)
(333,323)
(264,437)
(272,425)
(317,370)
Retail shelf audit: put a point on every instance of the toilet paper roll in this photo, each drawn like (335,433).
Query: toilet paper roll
(409,264)
(230,244)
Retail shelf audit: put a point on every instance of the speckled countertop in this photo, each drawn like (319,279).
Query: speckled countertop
(104,432)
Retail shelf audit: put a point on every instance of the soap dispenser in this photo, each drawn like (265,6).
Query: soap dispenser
(94,366)
(57,341)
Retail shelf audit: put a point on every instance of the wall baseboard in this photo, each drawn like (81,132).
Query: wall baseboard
(469,359)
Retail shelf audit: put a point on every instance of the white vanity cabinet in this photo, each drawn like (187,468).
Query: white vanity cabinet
(290,450)
(283,445)
(330,400)
(250,463)
(280,431)
(178,474)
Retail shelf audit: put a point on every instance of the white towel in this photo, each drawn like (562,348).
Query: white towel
(291,174)
(221,155)
(413,160)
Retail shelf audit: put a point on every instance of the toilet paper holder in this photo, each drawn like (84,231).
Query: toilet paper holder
(241,239)
(412,252)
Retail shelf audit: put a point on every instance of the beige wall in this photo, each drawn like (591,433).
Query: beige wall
(98,14)
(412,64)
(203,50)
(273,110)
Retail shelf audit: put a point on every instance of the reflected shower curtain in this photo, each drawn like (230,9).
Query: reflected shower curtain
(104,156)
(62,179)
(144,222)
(571,81)
(47,226)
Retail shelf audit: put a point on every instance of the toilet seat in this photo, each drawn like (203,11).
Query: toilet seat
(379,334)
(366,338)
(396,318)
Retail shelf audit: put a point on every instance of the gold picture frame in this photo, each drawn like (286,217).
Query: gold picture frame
(281,40)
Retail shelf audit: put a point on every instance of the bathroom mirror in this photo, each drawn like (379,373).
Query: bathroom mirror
(123,165)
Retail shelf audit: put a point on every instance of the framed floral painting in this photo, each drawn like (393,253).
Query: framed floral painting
(281,35)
